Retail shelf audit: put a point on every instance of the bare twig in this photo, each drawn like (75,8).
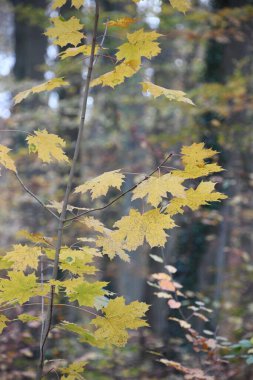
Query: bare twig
(35,197)
(120,195)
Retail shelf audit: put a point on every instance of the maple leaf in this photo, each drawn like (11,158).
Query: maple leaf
(65,32)
(196,153)
(3,322)
(134,228)
(73,371)
(201,196)
(23,256)
(192,171)
(47,145)
(46,86)
(75,261)
(84,292)
(111,247)
(156,91)
(117,76)
(92,223)
(140,44)
(100,185)
(118,317)
(34,237)
(27,318)
(75,3)
(84,335)
(5,160)
(73,51)
(181,5)
(155,188)
(20,288)
(123,22)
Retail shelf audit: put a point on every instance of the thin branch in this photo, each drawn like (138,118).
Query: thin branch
(120,195)
(15,130)
(48,319)
(35,197)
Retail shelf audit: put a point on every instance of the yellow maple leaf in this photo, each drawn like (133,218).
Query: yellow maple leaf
(23,256)
(65,32)
(194,198)
(92,223)
(5,160)
(34,237)
(155,188)
(181,5)
(3,322)
(134,228)
(100,185)
(118,317)
(122,22)
(116,76)
(20,288)
(47,145)
(140,44)
(192,171)
(85,293)
(156,91)
(111,247)
(73,51)
(73,371)
(47,86)
(76,261)
(196,154)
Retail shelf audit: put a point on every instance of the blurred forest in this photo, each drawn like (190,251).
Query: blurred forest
(208,54)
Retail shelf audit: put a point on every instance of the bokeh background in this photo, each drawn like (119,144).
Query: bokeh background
(208,54)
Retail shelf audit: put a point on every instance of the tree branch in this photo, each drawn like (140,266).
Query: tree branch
(48,319)
(122,194)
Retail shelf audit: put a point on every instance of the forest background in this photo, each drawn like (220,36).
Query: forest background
(206,53)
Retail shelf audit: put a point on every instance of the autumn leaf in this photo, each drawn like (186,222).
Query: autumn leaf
(73,371)
(73,51)
(35,237)
(3,322)
(92,223)
(181,5)
(20,288)
(23,257)
(192,171)
(134,228)
(194,198)
(100,185)
(118,317)
(47,145)
(116,76)
(123,22)
(196,154)
(27,318)
(65,32)
(84,335)
(84,292)
(155,188)
(77,261)
(174,304)
(111,247)
(156,91)
(75,3)
(5,159)
(46,86)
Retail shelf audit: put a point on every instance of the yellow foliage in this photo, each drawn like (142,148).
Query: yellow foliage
(191,171)
(92,223)
(155,188)
(118,317)
(75,261)
(73,371)
(116,76)
(73,51)
(156,91)
(23,256)
(75,3)
(47,86)
(5,160)
(3,322)
(181,5)
(111,247)
(65,32)
(134,228)
(196,154)
(201,196)
(20,288)
(47,145)
(123,22)
(100,185)
(85,293)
